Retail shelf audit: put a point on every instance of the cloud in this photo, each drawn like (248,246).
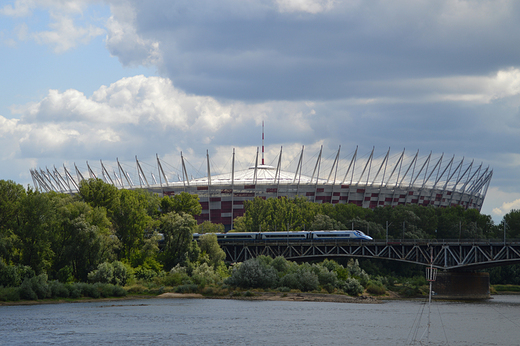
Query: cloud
(314,49)
(65,34)
(497,197)
(124,42)
(139,114)
(65,24)
(310,6)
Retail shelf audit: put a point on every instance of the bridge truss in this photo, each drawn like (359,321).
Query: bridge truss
(452,255)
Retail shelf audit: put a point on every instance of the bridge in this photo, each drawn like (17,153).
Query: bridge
(451,255)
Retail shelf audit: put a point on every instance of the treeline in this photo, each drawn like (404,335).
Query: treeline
(404,221)
(67,237)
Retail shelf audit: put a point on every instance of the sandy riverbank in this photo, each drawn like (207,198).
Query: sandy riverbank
(271,296)
(279,296)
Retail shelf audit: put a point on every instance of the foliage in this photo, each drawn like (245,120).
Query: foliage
(209,227)
(376,288)
(182,203)
(252,274)
(352,287)
(208,244)
(14,275)
(178,245)
(114,273)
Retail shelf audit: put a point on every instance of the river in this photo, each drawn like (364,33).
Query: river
(239,322)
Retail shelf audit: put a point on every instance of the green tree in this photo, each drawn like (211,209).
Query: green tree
(512,220)
(209,227)
(83,238)
(181,203)
(325,222)
(130,219)
(11,194)
(36,225)
(178,232)
(208,244)
(97,193)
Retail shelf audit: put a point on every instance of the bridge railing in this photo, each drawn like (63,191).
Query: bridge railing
(449,241)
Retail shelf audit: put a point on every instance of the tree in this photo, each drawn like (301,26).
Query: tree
(178,232)
(11,195)
(512,220)
(208,244)
(83,239)
(181,203)
(97,193)
(36,225)
(209,227)
(325,222)
(130,219)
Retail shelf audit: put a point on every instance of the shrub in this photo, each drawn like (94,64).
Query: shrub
(143,273)
(110,273)
(9,294)
(376,288)
(308,280)
(280,264)
(290,281)
(325,277)
(252,274)
(303,279)
(35,288)
(14,275)
(352,287)
(58,289)
(191,288)
(65,274)
(173,279)
(204,274)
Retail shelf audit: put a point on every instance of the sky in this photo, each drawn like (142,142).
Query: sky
(87,80)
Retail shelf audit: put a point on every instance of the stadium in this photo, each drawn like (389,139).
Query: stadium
(368,181)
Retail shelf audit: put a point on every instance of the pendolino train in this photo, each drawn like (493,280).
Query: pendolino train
(286,236)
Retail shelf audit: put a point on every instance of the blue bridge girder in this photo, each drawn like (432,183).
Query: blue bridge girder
(446,255)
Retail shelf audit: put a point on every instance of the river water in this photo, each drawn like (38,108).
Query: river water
(238,322)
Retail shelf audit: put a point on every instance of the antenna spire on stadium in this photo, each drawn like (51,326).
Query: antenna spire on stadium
(263,163)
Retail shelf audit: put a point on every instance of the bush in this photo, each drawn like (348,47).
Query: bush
(9,294)
(252,274)
(145,274)
(325,277)
(352,287)
(110,273)
(58,290)
(308,280)
(375,288)
(303,279)
(173,279)
(14,275)
(65,274)
(191,288)
(204,274)
(280,264)
(35,288)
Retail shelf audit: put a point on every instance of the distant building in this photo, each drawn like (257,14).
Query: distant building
(427,182)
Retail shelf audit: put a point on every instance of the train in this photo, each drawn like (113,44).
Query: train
(291,235)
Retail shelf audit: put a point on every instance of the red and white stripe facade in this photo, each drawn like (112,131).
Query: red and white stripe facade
(368,182)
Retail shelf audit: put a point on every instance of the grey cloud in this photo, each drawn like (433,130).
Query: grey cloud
(250,51)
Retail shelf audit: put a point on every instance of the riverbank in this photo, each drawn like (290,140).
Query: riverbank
(266,296)
(279,296)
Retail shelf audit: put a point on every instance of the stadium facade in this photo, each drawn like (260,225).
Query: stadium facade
(367,182)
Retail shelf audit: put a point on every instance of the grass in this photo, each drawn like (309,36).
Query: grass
(506,288)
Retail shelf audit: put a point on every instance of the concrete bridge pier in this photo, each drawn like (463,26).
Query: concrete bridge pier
(461,285)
